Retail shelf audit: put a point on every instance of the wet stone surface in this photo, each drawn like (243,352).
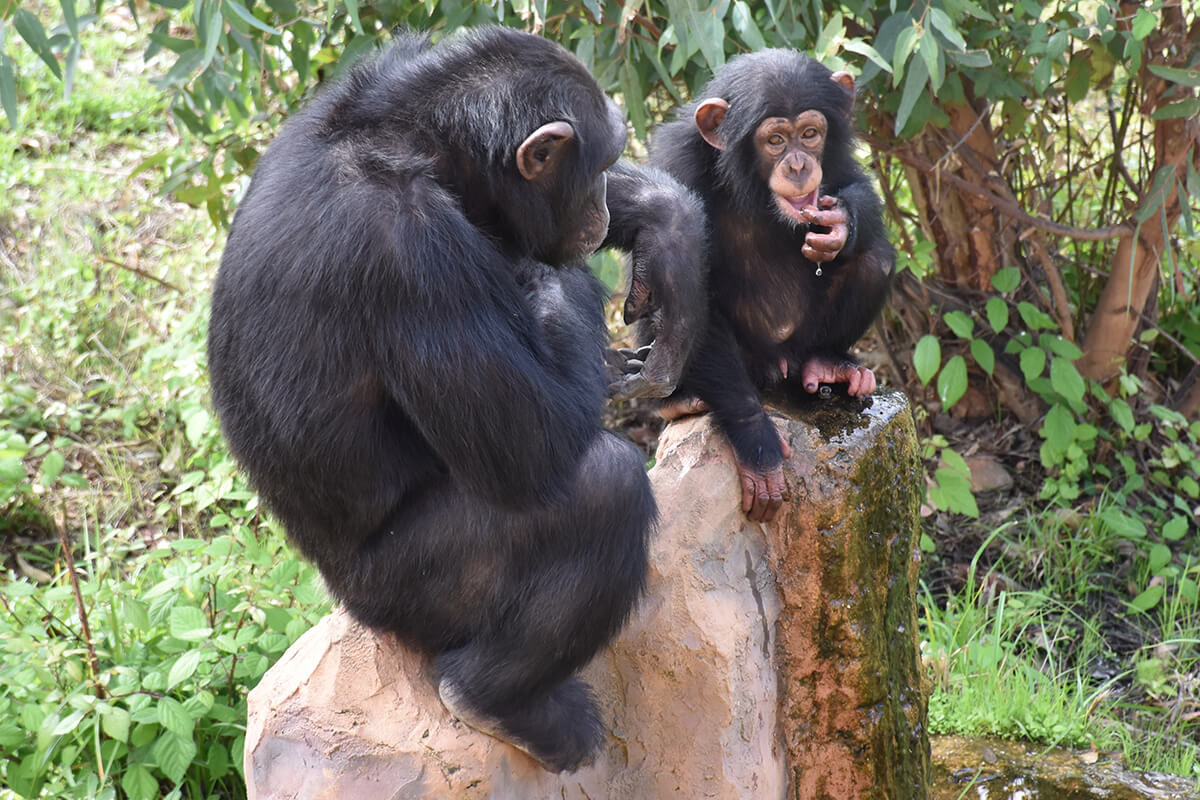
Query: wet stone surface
(992,769)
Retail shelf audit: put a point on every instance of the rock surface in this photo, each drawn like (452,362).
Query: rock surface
(764,662)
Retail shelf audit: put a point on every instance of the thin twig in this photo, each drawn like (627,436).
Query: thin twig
(139,271)
(93,664)
(1001,204)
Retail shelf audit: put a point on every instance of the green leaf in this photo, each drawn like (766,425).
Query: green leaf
(1184,109)
(115,723)
(189,623)
(1175,529)
(962,325)
(242,13)
(928,50)
(1060,346)
(952,382)
(1121,524)
(138,783)
(34,34)
(1122,414)
(52,467)
(174,754)
(8,90)
(1160,556)
(1184,77)
(942,24)
(183,668)
(982,352)
(352,9)
(174,717)
(927,357)
(1033,361)
(1007,279)
(1144,23)
(914,89)
(1147,599)
(1058,429)
(1034,318)
(743,23)
(1066,380)
(870,53)
(997,314)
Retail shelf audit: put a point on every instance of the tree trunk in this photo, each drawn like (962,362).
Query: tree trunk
(1119,310)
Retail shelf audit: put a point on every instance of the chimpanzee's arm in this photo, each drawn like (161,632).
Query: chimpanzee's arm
(663,227)
(509,403)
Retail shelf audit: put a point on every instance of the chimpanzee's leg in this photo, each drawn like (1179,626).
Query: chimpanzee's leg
(512,603)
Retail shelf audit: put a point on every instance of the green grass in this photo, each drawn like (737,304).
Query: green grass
(1073,662)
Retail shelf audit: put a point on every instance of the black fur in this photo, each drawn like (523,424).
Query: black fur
(406,355)
(759,281)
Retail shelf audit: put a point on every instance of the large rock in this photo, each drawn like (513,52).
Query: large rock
(765,661)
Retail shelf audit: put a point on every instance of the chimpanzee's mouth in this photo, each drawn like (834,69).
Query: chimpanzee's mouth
(793,207)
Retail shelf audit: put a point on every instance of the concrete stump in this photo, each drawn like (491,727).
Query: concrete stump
(764,662)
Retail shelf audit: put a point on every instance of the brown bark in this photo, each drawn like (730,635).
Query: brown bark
(965,227)
(1135,266)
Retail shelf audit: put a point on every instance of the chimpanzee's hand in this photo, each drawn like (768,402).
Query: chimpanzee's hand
(819,246)
(763,493)
(633,373)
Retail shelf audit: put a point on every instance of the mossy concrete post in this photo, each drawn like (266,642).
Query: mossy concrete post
(845,556)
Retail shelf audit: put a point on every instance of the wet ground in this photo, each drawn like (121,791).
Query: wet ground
(991,769)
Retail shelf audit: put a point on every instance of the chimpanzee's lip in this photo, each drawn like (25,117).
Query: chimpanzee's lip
(793,207)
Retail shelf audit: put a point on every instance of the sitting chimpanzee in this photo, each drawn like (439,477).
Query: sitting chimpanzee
(800,265)
(407,355)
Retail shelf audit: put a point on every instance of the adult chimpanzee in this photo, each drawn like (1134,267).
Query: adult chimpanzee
(406,353)
(800,265)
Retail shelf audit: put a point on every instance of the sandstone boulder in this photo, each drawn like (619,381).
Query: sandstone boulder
(765,661)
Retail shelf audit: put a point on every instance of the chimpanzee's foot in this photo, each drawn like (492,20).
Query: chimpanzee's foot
(686,407)
(816,371)
(561,730)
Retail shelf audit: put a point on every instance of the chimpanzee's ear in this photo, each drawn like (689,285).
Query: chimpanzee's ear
(846,81)
(708,117)
(540,155)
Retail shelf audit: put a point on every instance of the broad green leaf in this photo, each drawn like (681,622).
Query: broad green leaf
(183,668)
(1034,318)
(68,724)
(1007,279)
(1060,346)
(52,467)
(1122,524)
(1058,429)
(1144,23)
(905,42)
(138,783)
(1121,413)
(870,53)
(115,723)
(927,357)
(928,50)
(997,314)
(172,716)
(189,623)
(952,382)
(1033,361)
(174,754)
(1147,599)
(1160,556)
(982,352)
(962,325)
(1066,380)
(1175,529)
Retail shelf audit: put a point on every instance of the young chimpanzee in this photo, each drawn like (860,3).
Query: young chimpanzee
(407,355)
(800,264)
